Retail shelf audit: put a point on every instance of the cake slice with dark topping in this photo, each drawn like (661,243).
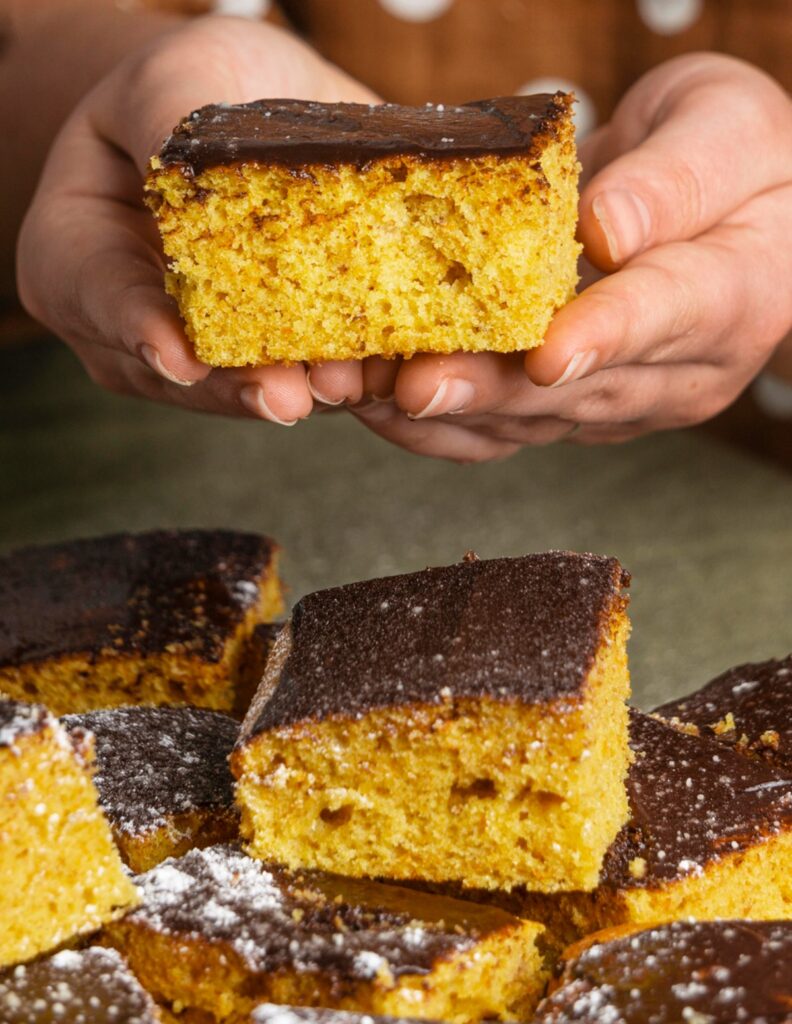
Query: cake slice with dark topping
(153,618)
(61,874)
(461,723)
(163,778)
(219,932)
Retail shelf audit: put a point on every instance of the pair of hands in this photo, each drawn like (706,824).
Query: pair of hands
(686,216)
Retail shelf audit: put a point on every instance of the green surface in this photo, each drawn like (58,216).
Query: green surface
(705,531)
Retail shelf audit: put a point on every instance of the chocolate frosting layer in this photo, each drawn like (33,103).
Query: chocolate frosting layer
(75,986)
(704,973)
(151,593)
(18,719)
(153,763)
(510,629)
(296,133)
(692,802)
(276,920)
(759,699)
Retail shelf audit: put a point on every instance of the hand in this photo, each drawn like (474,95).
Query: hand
(686,220)
(89,263)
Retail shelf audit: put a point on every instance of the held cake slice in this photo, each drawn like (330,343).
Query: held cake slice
(462,723)
(710,836)
(90,986)
(722,972)
(61,874)
(163,778)
(219,932)
(154,618)
(309,231)
(748,708)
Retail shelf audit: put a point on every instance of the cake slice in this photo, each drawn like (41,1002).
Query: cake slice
(308,231)
(710,836)
(685,973)
(156,618)
(88,986)
(218,932)
(61,874)
(748,708)
(163,778)
(461,723)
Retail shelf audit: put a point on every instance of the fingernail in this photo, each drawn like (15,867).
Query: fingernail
(252,397)
(152,359)
(578,366)
(318,394)
(453,396)
(625,222)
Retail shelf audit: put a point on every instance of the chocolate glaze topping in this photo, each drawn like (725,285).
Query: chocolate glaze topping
(511,629)
(759,698)
(296,133)
(692,802)
(275,920)
(153,763)
(181,592)
(19,719)
(76,987)
(269,1013)
(718,972)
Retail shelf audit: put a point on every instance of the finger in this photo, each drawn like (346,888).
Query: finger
(438,440)
(379,376)
(670,141)
(335,382)
(466,383)
(521,430)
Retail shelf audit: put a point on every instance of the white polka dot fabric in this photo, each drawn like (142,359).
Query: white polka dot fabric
(416,10)
(670,17)
(242,8)
(584,111)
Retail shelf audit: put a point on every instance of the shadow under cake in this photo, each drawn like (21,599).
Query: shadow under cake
(61,873)
(307,231)
(153,618)
(748,708)
(163,778)
(710,836)
(219,932)
(461,723)
(75,987)
(718,972)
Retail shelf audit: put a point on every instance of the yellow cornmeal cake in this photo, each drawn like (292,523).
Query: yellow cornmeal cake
(710,837)
(61,874)
(163,778)
(722,972)
(153,618)
(308,231)
(462,723)
(219,932)
(89,986)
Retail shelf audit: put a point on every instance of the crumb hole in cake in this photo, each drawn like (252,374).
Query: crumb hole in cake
(336,817)
(398,173)
(458,272)
(481,789)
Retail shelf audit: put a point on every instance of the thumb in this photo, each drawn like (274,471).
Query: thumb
(692,141)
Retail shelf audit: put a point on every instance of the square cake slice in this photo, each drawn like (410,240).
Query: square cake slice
(710,836)
(748,708)
(163,778)
(61,873)
(153,618)
(308,231)
(218,932)
(89,986)
(719,972)
(461,723)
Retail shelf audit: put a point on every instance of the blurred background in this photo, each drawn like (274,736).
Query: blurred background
(702,518)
